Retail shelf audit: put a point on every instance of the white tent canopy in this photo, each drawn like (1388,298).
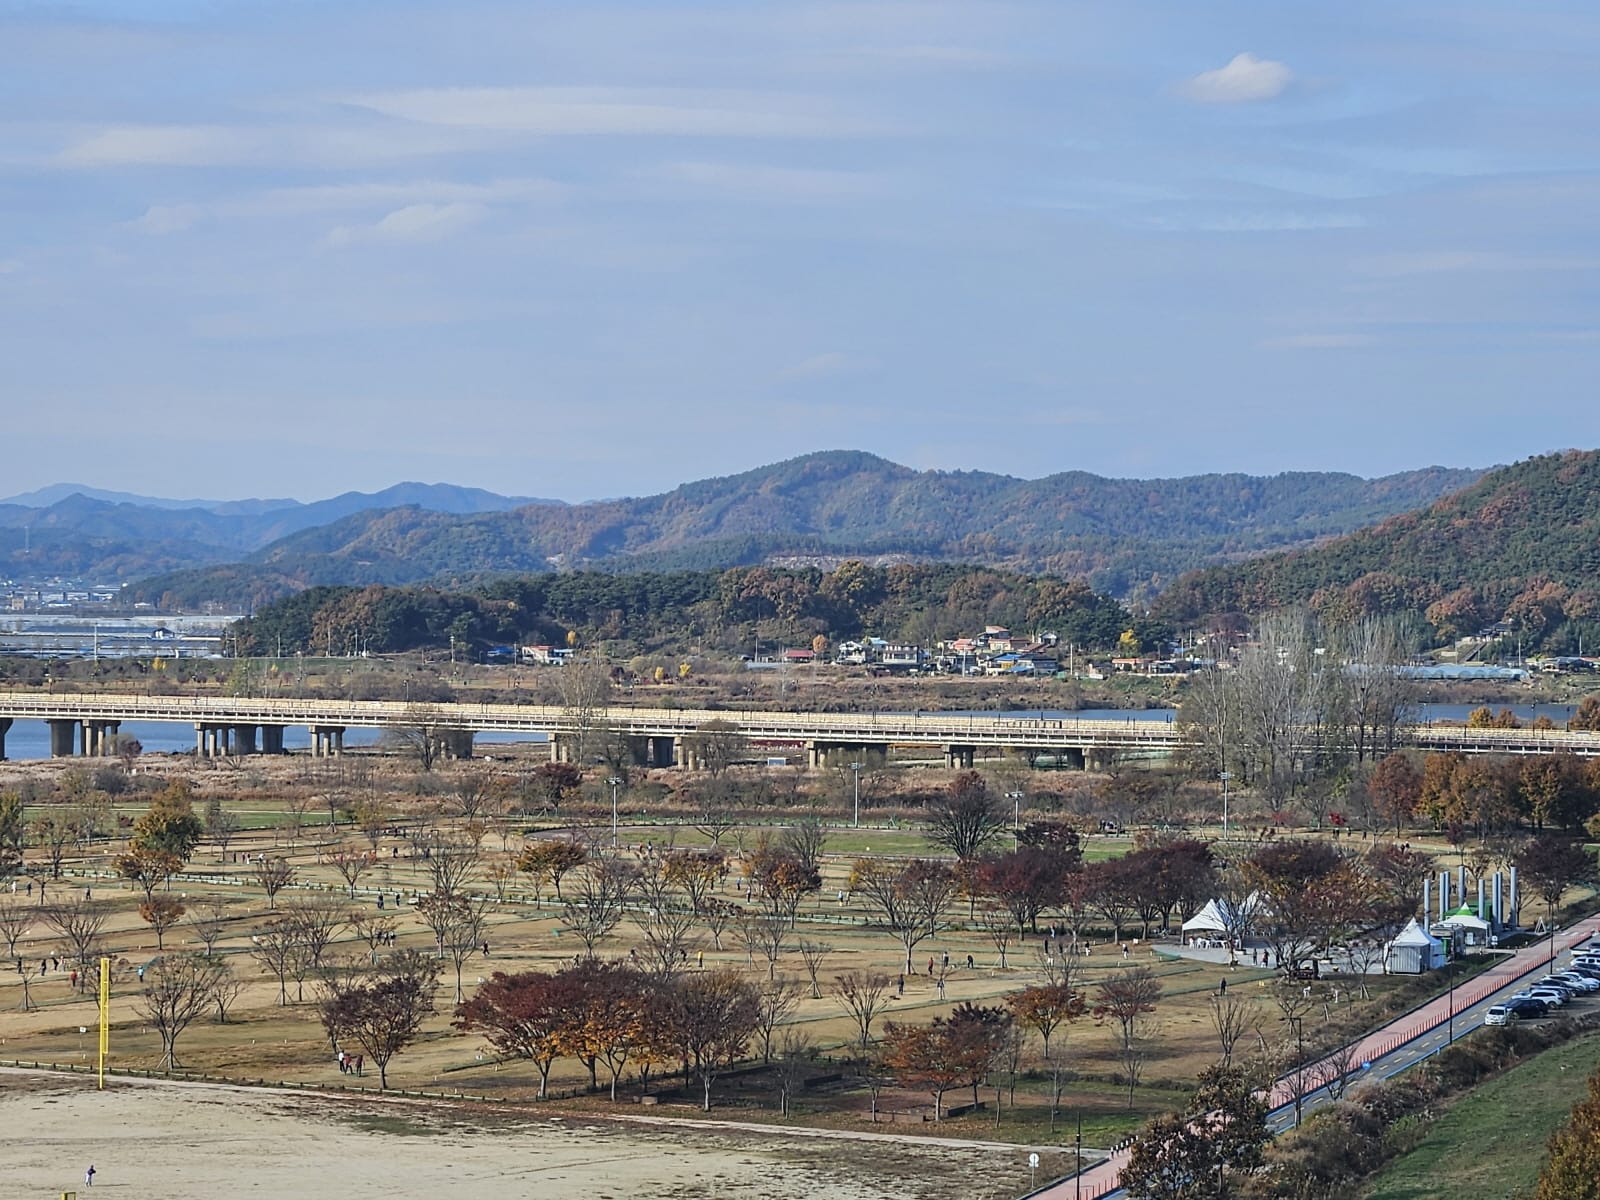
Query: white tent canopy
(1210,919)
(1218,916)
(1413,950)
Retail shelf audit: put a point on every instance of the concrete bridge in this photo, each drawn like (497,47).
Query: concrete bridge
(88,724)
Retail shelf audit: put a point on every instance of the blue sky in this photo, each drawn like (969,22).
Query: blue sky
(592,248)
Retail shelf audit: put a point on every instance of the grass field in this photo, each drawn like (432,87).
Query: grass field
(1490,1144)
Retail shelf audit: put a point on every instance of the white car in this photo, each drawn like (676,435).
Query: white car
(1551,996)
(1582,982)
(1499,1015)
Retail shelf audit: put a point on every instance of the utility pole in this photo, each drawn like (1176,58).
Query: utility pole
(855,775)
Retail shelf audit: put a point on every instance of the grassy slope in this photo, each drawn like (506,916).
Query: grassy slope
(1491,1142)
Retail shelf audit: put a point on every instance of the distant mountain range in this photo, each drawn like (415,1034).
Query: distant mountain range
(1519,549)
(1123,536)
(79,532)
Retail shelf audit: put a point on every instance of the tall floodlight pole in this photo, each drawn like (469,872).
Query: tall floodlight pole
(1225,776)
(855,778)
(105,1017)
(615,783)
(1016,815)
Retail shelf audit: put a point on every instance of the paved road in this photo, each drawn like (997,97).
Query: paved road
(1401,1043)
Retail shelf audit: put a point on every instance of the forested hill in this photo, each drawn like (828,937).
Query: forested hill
(721,610)
(1123,536)
(1521,545)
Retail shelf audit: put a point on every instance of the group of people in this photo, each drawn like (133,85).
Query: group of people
(350,1064)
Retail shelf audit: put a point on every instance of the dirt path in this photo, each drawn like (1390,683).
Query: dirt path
(181,1140)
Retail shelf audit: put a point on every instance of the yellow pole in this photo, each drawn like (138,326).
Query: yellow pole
(105,1016)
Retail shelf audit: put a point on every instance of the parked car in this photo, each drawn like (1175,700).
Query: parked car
(1527,1007)
(1553,997)
(1583,982)
(1551,981)
(1500,1014)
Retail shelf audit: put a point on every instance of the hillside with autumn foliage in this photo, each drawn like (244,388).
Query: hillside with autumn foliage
(1519,547)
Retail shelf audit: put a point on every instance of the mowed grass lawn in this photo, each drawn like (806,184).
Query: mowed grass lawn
(1491,1143)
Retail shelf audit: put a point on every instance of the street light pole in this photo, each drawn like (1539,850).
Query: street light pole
(855,776)
(615,783)
(1016,815)
(1225,776)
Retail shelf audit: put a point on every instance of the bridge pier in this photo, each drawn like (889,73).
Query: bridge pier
(244,739)
(63,734)
(272,739)
(327,741)
(962,758)
(5,727)
(687,755)
(454,743)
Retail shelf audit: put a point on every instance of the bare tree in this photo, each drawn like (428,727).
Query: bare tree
(272,875)
(967,817)
(864,996)
(277,948)
(764,933)
(812,954)
(1126,998)
(458,923)
(316,923)
(585,686)
(375,930)
(207,919)
(14,921)
(351,866)
(669,937)
(1232,1016)
(79,922)
(1000,928)
(597,901)
(913,900)
(178,988)
(795,1053)
(776,1000)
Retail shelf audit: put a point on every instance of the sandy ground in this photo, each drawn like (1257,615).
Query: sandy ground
(200,1142)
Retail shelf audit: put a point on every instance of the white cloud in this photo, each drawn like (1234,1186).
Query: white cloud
(1244,80)
(1320,341)
(348,196)
(160,145)
(168,218)
(313,144)
(414,223)
(789,183)
(9,266)
(571,111)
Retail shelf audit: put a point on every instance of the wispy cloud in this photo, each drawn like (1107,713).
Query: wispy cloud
(161,219)
(10,266)
(1246,79)
(573,111)
(788,183)
(414,223)
(380,196)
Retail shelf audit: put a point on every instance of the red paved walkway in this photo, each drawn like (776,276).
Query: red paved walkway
(1103,1178)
